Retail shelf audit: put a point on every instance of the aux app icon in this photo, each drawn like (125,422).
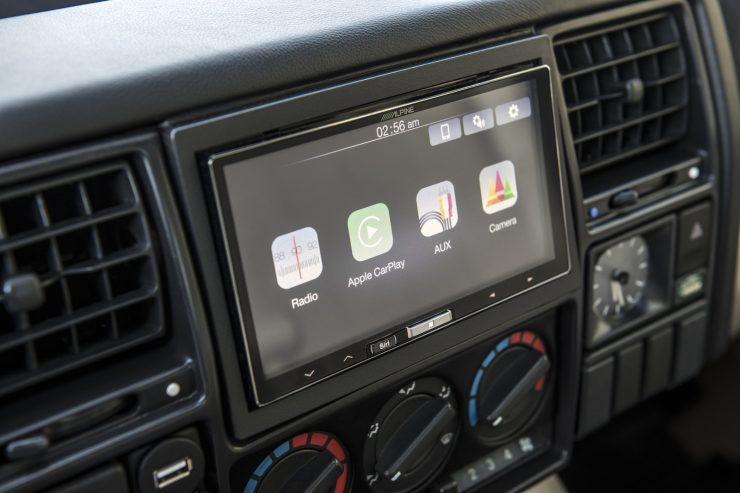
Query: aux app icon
(437,208)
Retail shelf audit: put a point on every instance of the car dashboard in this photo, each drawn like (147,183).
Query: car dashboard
(333,247)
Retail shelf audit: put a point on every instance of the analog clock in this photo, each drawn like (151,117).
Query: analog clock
(619,280)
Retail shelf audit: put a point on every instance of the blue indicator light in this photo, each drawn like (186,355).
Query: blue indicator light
(476,383)
(472,413)
(281,449)
(488,359)
(593,212)
(502,345)
(262,468)
(251,486)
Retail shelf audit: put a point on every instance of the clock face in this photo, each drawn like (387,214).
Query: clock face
(619,279)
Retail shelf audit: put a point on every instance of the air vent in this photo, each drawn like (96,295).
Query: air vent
(626,89)
(78,274)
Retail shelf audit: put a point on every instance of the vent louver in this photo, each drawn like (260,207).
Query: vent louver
(625,87)
(78,274)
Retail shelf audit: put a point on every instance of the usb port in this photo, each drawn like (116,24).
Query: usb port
(173,473)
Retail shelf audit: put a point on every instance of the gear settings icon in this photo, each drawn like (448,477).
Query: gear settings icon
(513,111)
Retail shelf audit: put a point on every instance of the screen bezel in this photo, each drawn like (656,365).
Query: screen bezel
(268,390)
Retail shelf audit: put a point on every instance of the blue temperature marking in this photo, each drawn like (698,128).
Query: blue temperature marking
(251,486)
(593,212)
(488,359)
(262,468)
(476,383)
(281,449)
(503,345)
(472,413)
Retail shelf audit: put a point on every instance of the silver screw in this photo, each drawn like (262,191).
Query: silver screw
(173,389)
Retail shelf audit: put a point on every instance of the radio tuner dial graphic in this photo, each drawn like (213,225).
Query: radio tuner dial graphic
(307,463)
(412,437)
(619,279)
(509,387)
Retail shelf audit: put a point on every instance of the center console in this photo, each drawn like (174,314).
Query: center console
(400,273)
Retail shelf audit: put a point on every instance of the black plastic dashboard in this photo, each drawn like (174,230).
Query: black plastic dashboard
(633,108)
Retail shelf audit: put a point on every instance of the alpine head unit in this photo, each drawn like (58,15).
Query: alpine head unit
(355,237)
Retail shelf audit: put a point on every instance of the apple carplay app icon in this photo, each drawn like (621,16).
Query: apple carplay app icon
(370,232)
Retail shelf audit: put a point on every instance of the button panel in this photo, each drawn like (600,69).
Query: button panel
(427,325)
(383,345)
(503,458)
(694,228)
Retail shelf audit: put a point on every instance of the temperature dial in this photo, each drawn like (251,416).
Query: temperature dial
(307,463)
(508,388)
(412,437)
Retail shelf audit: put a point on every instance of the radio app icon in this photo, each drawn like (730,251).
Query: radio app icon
(297,257)
(437,208)
(498,187)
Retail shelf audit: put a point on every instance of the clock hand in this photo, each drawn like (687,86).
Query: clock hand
(620,293)
(615,297)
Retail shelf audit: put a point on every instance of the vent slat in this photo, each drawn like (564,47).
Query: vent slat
(83,240)
(606,162)
(625,88)
(92,312)
(631,122)
(617,61)
(68,227)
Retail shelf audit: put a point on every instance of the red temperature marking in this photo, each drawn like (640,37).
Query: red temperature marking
(318,439)
(341,482)
(540,384)
(336,450)
(516,337)
(300,440)
(538,345)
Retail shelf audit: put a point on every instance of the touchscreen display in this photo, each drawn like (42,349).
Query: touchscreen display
(352,233)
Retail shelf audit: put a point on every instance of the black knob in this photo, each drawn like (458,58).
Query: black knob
(318,474)
(307,463)
(518,371)
(412,437)
(509,387)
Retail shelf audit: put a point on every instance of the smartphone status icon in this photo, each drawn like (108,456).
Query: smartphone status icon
(445,131)
(437,208)
(297,257)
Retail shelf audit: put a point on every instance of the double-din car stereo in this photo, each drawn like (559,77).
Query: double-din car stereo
(361,234)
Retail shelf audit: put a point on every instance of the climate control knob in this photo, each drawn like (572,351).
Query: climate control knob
(412,437)
(307,463)
(509,387)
